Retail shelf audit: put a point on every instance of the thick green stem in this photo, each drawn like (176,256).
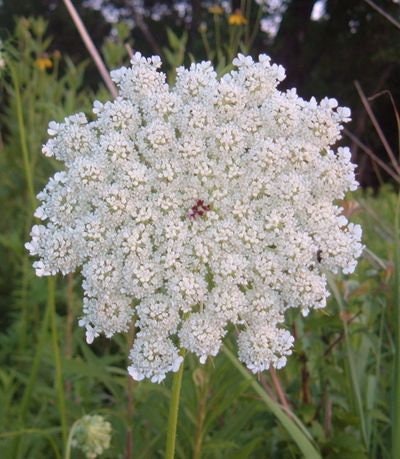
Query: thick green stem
(57,359)
(396,386)
(173,413)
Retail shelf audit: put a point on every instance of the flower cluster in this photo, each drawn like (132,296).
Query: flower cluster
(92,435)
(198,206)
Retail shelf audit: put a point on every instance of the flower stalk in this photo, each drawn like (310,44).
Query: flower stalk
(173,412)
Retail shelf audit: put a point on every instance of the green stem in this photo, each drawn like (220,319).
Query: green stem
(68,446)
(173,413)
(22,137)
(396,387)
(57,358)
(250,41)
(293,425)
(217,28)
(206,45)
(248,24)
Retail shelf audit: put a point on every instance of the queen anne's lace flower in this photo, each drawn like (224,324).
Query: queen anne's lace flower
(92,435)
(192,207)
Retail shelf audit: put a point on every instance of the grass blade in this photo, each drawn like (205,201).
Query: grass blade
(298,434)
(351,362)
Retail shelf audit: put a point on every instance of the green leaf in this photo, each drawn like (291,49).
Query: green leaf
(295,429)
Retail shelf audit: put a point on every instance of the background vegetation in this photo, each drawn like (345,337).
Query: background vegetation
(341,387)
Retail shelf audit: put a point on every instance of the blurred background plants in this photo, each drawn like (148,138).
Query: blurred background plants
(341,387)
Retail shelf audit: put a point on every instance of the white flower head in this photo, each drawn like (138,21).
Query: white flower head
(198,206)
(92,435)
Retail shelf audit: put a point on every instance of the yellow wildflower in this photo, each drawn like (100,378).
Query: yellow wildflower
(43,63)
(216,9)
(237,19)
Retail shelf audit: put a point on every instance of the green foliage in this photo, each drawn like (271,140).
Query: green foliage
(175,53)
(114,47)
(337,386)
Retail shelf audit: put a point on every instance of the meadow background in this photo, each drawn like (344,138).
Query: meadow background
(339,395)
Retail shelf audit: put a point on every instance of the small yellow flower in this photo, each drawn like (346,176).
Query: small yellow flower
(216,9)
(237,19)
(43,63)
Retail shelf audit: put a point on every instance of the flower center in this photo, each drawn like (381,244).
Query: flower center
(199,209)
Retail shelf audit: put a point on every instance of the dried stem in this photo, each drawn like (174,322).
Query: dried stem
(378,129)
(129,50)
(143,27)
(382,12)
(265,385)
(392,101)
(91,48)
(336,341)
(372,155)
(279,390)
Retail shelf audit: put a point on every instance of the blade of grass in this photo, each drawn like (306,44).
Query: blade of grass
(374,424)
(295,429)
(44,432)
(351,362)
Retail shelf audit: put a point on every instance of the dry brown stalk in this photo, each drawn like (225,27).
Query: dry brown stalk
(91,47)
